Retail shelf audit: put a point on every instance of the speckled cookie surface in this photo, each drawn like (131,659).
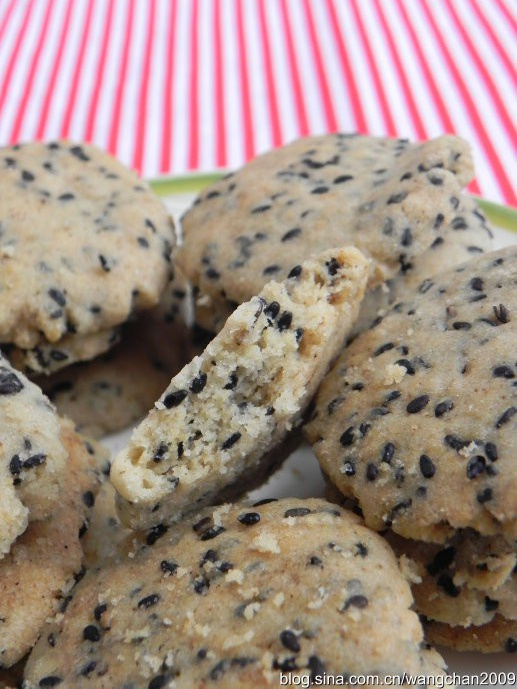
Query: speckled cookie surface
(221,607)
(497,636)
(32,455)
(389,198)
(417,418)
(108,394)
(83,243)
(466,581)
(42,563)
(214,428)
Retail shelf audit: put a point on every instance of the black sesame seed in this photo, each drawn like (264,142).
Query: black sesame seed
(506,416)
(362,550)
(88,498)
(371,472)
(333,266)
(427,466)
(264,501)
(99,611)
(27,176)
(158,682)
(461,325)
(78,152)
(50,681)
(142,241)
(34,461)
(348,467)
(212,532)
(475,466)
(230,442)
(417,404)
(149,601)
(502,372)
(285,320)
(261,209)
(180,449)
(15,465)
(212,274)
(156,533)
(10,384)
(459,223)
(297,512)
(173,399)
(485,496)
(443,407)
(342,178)
(66,197)
(491,452)
(407,237)
(198,383)
(249,518)
(347,437)
(295,272)
(383,348)
(477,284)
(407,365)
(455,442)
(168,567)
(319,190)
(291,234)
(314,561)
(57,296)
(272,310)
(397,198)
(388,452)
(91,633)
(271,270)
(357,601)
(289,640)
(510,645)
(502,314)
(88,668)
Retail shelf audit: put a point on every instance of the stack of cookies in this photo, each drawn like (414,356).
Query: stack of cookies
(85,256)
(392,352)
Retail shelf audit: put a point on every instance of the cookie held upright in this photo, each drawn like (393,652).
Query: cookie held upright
(217,428)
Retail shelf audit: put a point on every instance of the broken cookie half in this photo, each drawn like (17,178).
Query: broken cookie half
(210,435)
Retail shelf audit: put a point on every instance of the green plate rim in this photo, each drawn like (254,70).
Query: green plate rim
(497,213)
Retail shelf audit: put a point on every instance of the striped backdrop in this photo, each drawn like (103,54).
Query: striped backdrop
(171,86)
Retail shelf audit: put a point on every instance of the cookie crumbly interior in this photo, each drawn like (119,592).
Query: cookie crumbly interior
(229,407)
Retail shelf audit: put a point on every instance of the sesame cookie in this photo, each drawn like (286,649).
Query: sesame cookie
(466,581)
(45,561)
(115,390)
(389,198)
(212,432)
(83,243)
(417,417)
(497,636)
(32,455)
(221,606)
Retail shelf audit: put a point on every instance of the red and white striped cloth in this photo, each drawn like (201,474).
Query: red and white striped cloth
(170,86)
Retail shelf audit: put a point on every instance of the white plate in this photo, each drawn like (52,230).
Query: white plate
(300,475)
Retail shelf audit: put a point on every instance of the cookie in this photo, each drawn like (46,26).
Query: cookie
(389,198)
(84,243)
(497,636)
(46,560)
(47,358)
(212,432)
(417,417)
(115,390)
(466,581)
(221,606)
(32,455)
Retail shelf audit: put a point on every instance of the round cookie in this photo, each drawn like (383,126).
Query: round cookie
(417,417)
(389,198)
(497,636)
(218,427)
(221,606)
(84,243)
(466,581)
(113,391)
(32,455)
(45,561)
